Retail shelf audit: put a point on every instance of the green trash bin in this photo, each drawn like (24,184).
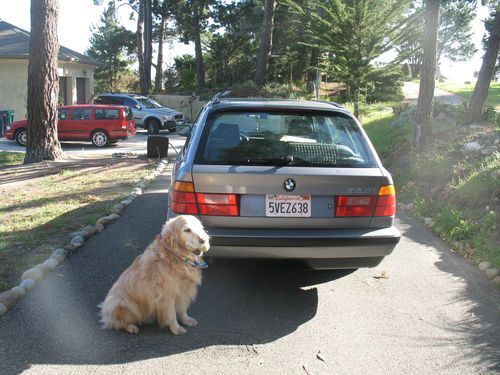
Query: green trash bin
(6,117)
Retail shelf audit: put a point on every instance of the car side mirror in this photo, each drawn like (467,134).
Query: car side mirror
(183,130)
(137,106)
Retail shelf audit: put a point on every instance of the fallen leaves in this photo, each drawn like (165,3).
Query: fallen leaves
(382,275)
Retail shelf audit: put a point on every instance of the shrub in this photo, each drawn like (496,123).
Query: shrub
(492,116)
(455,224)
(386,85)
(399,108)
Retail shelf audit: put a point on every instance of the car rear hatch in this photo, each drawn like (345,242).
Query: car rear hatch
(286,170)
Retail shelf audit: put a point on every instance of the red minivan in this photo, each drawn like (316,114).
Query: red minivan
(100,124)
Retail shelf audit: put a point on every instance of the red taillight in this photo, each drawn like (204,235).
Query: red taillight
(386,203)
(218,204)
(186,201)
(184,198)
(364,206)
(354,206)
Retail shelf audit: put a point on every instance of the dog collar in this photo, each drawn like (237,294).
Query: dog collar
(199,263)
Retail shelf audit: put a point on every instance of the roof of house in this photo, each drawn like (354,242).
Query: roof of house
(15,44)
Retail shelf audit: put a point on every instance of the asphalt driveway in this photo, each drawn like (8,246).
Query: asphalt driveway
(424,310)
(134,144)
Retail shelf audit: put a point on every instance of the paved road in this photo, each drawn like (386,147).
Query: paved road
(411,89)
(135,144)
(434,314)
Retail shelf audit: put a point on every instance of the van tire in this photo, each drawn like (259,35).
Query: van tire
(21,137)
(100,138)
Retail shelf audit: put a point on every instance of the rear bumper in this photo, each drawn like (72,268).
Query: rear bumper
(9,134)
(303,244)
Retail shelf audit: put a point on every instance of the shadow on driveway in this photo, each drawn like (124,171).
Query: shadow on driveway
(480,325)
(239,304)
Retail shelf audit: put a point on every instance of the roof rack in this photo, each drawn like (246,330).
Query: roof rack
(216,97)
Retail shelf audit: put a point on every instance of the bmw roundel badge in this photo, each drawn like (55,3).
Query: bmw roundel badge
(289,184)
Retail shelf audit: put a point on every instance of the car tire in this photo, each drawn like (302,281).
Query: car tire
(100,138)
(22,137)
(153,126)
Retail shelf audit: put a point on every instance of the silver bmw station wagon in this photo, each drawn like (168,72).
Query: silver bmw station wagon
(285,180)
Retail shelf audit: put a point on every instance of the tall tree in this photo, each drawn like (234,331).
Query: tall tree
(454,36)
(351,35)
(163,10)
(266,42)
(423,129)
(110,44)
(192,19)
(144,36)
(43,83)
(231,50)
(486,73)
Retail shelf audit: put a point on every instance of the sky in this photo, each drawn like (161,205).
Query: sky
(77,16)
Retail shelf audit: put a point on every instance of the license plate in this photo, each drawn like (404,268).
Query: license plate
(288,205)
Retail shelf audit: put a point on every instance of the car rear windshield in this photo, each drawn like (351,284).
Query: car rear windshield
(148,103)
(315,139)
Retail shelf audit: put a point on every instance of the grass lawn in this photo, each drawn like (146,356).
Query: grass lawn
(36,214)
(377,120)
(10,158)
(465,90)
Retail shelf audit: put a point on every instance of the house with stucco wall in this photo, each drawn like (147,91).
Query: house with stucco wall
(76,72)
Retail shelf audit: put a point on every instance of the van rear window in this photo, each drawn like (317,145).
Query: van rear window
(107,114)
(292,139)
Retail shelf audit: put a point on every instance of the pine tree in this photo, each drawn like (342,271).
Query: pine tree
(486,74)
(110,44)
(43,83)
(266,42)
(351,35)
(423,129)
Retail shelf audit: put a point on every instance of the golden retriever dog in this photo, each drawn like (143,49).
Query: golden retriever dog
(161,283)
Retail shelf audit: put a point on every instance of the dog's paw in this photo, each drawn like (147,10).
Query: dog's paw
(178,330)
(190,322)
(131,328)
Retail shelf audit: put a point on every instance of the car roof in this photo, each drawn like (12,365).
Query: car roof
(276,103)
(123,94)
(73,106)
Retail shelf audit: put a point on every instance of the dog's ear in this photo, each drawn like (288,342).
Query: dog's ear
(169,233)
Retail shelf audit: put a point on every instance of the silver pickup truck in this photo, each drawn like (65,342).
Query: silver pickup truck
(148,114)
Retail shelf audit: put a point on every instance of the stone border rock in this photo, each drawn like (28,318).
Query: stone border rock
(489,270)
(76,239)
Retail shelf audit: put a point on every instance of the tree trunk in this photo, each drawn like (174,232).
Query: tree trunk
(144,44)
(486,74)
(198,54)
(140,45)
(159,62)
(423,129)
(43,83)
(313,70)
(148,45)
(266,43)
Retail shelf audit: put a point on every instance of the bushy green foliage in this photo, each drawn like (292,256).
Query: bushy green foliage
(492,116)
(185,78)
(456,224)
(399,108)
(386,85)
(351,36)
